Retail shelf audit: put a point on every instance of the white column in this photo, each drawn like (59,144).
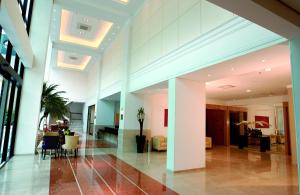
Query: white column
(33,79)
(295,62)
(186,125)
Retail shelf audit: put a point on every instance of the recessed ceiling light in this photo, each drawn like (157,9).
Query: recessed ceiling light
(124,2)
(268,69)
(209,75)
(263,61)
(232,69)
(101,31)
(248,90)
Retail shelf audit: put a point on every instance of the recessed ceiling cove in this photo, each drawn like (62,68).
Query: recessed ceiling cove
(125,2)
(72,60)
(83,30)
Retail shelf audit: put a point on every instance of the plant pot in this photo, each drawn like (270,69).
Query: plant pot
(140,143)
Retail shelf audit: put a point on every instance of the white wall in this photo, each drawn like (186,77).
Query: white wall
(111,70)
(105,113)
(74,83)
(159,102)
(92,81)
(163,26)
(264,106)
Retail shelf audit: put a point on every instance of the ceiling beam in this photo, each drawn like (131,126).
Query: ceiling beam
(75,48)
(261,16)
(94,10)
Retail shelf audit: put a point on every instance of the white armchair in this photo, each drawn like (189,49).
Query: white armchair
(159,143)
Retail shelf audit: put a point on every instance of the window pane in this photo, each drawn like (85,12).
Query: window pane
(12,124)
(3,43)
(13,58)
(5,125)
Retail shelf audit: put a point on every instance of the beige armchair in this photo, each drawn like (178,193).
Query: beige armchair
(280,139)
(159,143)
(208,142)
(273,139)
(71,143)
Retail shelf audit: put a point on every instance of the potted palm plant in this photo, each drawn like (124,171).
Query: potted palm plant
(140,139)
(52,103)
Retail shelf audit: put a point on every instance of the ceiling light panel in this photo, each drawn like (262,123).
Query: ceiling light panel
(72,60)
(83,30)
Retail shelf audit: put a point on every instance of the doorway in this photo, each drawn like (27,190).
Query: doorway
(90,120)
(215,126)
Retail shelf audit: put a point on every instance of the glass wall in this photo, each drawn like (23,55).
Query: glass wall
(11,79)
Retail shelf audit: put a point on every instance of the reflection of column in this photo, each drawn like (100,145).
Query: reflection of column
(292,126)
(186,125)
(33,78)
(295,62)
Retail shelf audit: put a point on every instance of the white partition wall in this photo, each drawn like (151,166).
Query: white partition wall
(186,120)
(295,62)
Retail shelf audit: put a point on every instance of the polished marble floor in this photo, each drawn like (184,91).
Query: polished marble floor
(228,171)
(100,174)
(97,144)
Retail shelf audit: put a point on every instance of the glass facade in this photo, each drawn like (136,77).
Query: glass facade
(11,78)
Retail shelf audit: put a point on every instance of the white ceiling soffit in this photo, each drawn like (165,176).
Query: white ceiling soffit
(88,27)
(261,16)
(294,4)
(12,23)
(262,73)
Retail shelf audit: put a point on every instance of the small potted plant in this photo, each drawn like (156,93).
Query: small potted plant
(140,139)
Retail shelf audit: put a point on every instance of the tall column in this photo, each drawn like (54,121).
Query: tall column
(292,125)
(33,79)
(186,125)
(295,63)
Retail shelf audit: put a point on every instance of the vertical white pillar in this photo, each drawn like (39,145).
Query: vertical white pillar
(295,63)
(33,79)
(186,125)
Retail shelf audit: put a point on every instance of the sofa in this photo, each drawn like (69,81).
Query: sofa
(159,143)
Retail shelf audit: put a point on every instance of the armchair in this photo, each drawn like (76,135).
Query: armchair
(71,143)
(159,143)
(50,142)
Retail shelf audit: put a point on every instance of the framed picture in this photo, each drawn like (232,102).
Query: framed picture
(262,122)
(166,118)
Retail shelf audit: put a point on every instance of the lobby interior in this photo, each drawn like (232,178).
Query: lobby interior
(218,81)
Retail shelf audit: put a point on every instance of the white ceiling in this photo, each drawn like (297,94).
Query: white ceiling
(247,72)
(95,15)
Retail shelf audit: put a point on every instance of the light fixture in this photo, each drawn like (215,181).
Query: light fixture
(248,90)
(66,36)
(268,69)
(124,2)
(80,63)
(209,75)
(263,61)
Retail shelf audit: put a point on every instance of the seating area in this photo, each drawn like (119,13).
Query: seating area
(59,141)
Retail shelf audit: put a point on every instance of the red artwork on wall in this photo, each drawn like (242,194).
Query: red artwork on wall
(166,118)
(262,122)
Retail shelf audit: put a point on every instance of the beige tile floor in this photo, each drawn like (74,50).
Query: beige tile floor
(228,171)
